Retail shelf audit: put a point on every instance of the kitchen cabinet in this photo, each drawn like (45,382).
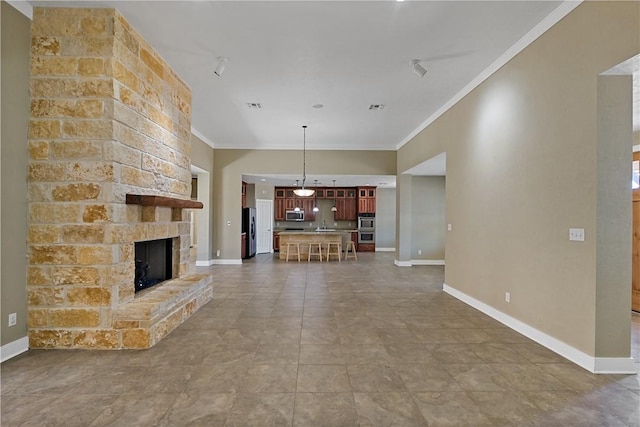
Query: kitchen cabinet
(244,194)
(366,200)
(279,209)
(280,193)
(347,210)
(354,239)
(290,203)
(307,205)
(276,241)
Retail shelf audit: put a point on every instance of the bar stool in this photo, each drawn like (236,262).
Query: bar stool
(291,245)
(312,246)
(350,245)
(338,251)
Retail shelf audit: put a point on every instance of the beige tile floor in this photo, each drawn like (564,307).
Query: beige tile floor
(333,344)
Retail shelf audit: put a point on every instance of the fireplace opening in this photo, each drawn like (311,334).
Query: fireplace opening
(154,262)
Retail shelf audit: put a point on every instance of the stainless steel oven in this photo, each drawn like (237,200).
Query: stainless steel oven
(366,223)
(366,236)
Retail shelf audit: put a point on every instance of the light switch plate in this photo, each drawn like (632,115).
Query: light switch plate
(576,234)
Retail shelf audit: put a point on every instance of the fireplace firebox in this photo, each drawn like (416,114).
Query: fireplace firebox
(154,262)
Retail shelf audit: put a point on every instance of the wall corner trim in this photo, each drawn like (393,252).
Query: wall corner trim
(204,139)
(402,263)
(205,263)
(14,348)
(427,262)
(23,7)
(596,365)
(227,262)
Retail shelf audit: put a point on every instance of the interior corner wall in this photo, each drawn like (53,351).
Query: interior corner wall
(428,218)
(202,157)
(386,218)
(16,42)
(522,169)
(614,215)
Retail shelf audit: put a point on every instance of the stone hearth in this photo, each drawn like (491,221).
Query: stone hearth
(109,118)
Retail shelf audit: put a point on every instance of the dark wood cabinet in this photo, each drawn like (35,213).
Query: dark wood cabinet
(347,210)
(307,206)
(279,209)
(366,200)
(349,201)
(244,194)
(243,246)
(276,241)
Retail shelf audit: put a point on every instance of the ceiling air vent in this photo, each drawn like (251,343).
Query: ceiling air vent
(376,107)
(254,105)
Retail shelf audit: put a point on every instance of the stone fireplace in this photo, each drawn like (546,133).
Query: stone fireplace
(109,166)
(154,261)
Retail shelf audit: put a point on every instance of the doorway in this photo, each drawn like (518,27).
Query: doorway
(264,216)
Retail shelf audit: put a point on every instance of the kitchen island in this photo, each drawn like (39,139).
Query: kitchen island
(306,237)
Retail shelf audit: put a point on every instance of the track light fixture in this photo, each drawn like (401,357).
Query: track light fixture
(418,69)
(222,62)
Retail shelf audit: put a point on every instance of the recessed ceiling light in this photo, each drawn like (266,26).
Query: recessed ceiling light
(254,105)
(376,107)
(318,106)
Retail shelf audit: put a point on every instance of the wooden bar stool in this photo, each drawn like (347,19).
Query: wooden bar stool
(350,245)
(312,246)
(291,245)
(338,251)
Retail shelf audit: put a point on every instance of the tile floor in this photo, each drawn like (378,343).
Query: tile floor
(310,344)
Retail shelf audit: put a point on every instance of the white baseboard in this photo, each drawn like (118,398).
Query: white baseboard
(227,262)
(205,263)
(385,249)
(402,263)
(597,365)
(14,348)
(427,262)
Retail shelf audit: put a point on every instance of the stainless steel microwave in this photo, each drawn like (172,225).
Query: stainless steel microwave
(294,215)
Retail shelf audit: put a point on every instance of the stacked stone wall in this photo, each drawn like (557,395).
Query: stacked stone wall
(108,117)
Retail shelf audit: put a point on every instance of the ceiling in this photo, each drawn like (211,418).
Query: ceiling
(345,55)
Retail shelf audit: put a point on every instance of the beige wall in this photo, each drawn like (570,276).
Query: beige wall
(385,218)
(202,157)
(15,112)
(229,165)
(428,218)
(522,169)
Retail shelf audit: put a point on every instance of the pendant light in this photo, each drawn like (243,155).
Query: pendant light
(297,208)
(304,192)
(334,208)
(315,198)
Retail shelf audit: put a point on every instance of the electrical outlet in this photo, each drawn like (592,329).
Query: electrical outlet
(449,227)
(335,224)
(13,319)
(419,251)
(576,234)
(507,296)
(228,223)
(218,252)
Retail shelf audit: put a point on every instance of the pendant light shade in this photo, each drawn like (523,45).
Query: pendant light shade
(315,201)
(304,192)
(334,208)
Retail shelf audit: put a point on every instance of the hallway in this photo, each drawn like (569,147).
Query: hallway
(322,344)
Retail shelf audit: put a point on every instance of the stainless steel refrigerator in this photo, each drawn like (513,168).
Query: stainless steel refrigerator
(249,227)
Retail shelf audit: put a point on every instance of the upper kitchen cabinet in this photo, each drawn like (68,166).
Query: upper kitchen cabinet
(366,200)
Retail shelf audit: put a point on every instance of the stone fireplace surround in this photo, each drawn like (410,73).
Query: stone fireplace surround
(109,119)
